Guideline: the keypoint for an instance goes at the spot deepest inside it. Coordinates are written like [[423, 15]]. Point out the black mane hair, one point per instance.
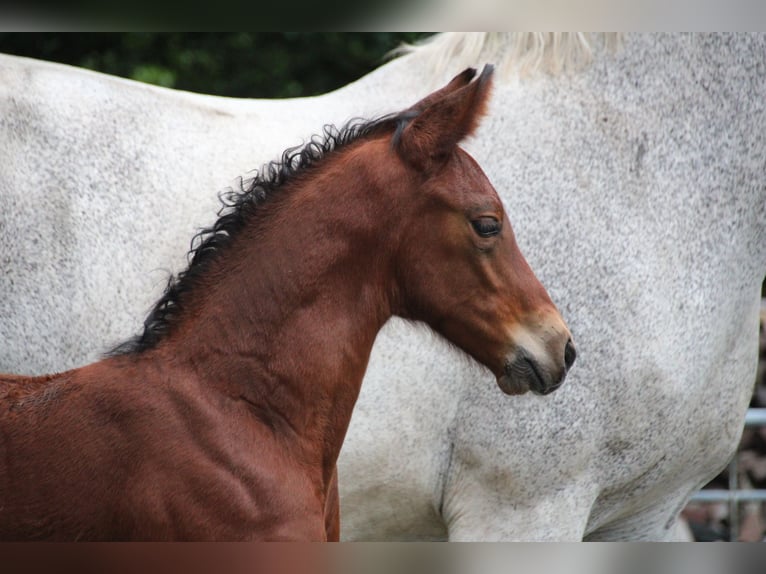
[[238, 207]]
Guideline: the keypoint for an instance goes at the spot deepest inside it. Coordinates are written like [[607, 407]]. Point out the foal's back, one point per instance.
[[47, 423], [125, 449]]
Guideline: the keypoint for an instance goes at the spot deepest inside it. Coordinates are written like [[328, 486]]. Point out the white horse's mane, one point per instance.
[[523, 53]]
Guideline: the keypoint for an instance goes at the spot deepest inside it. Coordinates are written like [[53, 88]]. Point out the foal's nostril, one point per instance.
[[569, 354]]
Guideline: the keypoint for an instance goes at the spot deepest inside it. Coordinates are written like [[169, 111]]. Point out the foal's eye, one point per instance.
[[486, 226]]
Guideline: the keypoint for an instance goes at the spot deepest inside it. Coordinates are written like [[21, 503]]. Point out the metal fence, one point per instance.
[[735, 495]]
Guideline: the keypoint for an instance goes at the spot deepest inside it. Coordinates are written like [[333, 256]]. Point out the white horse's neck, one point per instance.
[[523, 53]]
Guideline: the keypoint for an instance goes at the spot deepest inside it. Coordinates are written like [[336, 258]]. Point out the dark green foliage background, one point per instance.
[[241, 64]]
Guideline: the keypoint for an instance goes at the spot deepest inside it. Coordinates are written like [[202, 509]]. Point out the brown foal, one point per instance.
[[224, 419]]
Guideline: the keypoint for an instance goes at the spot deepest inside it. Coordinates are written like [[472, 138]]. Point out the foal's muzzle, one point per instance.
[[524, 372]]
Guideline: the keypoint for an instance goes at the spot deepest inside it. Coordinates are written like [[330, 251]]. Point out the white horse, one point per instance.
[[635, 177]]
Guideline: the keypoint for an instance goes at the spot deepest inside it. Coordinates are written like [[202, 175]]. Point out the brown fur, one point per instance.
[[229, 428]]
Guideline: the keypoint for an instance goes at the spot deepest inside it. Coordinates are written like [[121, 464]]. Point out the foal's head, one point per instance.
[[458, 267]]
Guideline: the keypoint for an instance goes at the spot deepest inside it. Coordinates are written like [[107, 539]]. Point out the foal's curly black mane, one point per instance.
[[239, 206]]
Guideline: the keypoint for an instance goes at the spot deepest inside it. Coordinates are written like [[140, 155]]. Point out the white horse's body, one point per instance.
[[637, 189]]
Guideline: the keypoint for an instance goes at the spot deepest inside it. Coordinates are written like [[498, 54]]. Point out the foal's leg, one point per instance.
[[332, 510]]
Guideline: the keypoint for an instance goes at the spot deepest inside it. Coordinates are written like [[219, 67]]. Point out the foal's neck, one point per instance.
[[285, 318]]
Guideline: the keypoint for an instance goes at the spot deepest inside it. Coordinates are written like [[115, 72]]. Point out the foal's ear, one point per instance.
[[462, 79], [442, 119]]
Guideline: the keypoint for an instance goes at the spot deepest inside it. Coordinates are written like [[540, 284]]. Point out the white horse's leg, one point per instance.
[[657, 523], [475, 513]]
